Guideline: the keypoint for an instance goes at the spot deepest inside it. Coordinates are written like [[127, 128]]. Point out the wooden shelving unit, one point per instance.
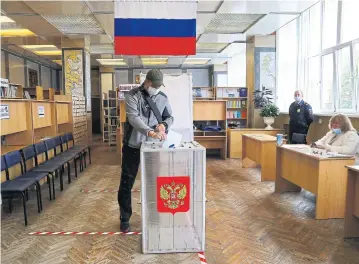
[[105, 117], [113, 117], [64, 118], [44, 120], [211, 112], [237, 105], [204, 93]]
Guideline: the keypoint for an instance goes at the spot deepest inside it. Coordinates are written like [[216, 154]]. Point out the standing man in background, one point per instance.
[[300, 118], [148, 117]]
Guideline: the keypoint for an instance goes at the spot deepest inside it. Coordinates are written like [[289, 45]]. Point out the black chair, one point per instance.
[[78, 154], [299, 138], [29, 153], [20, 184], [50, 166], [81, 148]]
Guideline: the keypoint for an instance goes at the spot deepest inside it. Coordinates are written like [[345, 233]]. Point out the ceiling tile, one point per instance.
[[76, 24], [74, 7], [202, 22], [221, 38], [231, 23], [208, 6], [101, 49], [210, 47], [101, 6], [270, 23]]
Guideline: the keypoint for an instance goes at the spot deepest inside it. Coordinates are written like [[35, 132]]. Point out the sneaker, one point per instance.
[[125, 227]]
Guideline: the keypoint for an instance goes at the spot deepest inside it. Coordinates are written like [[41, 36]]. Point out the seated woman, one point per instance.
[[342, 137]]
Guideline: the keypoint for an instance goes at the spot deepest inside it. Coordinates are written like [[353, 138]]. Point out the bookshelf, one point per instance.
[[105, 117], [237, 105], [211, 113], [204, 93], [113, 117]]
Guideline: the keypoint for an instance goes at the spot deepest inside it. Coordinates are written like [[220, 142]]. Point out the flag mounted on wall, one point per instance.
[[155, 28]]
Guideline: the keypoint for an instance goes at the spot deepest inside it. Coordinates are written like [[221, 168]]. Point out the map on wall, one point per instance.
[[88, 81], [73, 60], [265, 68]]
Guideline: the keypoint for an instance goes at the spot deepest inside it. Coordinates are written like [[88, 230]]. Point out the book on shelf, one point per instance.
[[197, 92], [243, 92]]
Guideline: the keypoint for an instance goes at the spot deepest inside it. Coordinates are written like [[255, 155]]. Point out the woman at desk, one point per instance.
[[342, 137]]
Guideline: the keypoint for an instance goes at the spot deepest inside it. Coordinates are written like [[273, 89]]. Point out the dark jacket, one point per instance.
[[301, 116]]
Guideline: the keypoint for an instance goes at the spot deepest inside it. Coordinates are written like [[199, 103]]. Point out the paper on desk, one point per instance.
[[296, 146], [173, 138]]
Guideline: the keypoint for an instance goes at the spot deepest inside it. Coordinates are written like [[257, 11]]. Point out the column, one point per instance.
[[77, 83]]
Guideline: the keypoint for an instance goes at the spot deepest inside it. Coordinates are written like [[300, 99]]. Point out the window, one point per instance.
[[350, 20], [16, 70], [314, 30], [330, 23], [287, 43], [345, 81], [313, 92], [45, 77], [327, 79]]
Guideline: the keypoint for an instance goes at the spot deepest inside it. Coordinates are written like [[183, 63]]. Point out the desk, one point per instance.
[[325, 177], [351, 218], [235, 139], [261, 148]]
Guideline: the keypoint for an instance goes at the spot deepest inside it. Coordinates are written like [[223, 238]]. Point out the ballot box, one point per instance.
[[173, 182]]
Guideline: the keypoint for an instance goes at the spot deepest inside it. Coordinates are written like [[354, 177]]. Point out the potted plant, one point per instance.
[[269, 112], [262, 97]]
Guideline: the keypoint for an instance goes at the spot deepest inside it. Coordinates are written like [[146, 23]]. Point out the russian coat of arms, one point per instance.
[[173, 194]]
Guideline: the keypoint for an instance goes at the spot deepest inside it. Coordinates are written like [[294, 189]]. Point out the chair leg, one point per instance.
[[27, 195], [89, 150], [10, 204], [85, 160], [68, 172], [53, 185], [40, 197], [81, 167], [37, 198], [75, 162], [49, 183], [61, 180], [24, 205]]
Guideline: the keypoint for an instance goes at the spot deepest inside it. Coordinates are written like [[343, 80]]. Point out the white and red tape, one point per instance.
[[81, 233], [103, 190]]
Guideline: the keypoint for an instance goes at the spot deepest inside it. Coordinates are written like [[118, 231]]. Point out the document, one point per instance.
[[173, 139]]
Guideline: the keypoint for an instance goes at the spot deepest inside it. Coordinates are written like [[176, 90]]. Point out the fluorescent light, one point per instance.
[[20, 32], [5, 19], [112, 62], [154, 61], [49, 52], [44, 50], [197, 61], [33, 47]]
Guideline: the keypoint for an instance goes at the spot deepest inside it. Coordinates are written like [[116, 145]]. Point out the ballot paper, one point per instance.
[[173, 139]]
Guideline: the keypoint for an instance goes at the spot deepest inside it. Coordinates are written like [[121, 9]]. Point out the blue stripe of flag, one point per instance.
[[147, 27]]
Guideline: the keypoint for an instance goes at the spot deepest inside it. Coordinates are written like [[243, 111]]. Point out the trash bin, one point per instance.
[[173, 185]]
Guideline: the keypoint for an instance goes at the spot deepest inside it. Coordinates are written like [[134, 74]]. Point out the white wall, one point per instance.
[[45, 77], [237, 70], [200, 77], [121, 77], [3, 72]]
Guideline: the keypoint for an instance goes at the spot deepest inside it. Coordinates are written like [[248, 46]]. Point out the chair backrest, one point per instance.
[[298, 138], [39, 149], [28, 153], [58, 142], [50, 144], [11, 159], [3, 164], [64, 140], [70, 137]]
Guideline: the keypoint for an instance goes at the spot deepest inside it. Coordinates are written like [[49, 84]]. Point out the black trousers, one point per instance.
[[130, 164]]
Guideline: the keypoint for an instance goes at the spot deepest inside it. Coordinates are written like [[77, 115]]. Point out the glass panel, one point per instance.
[[350, 20], [33, 73], [54, 79], [3, 72], [45, 77], [313, 96], [330, 23], [16, 70], [346, 91], [314, 29], [356, 71], [327, 78]]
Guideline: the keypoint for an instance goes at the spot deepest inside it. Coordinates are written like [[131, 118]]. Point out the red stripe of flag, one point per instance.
[[155, 46]]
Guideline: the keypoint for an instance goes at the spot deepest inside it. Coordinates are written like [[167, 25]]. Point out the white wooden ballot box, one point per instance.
[[173, 184]]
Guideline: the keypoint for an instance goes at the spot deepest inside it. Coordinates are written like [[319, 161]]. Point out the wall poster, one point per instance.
[[73, 66]]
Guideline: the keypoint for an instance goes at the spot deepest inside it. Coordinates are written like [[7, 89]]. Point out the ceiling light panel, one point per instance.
[[58, 61], [112, 62], [44, 50], [5, 19], [101, 49], [19, 32], [197, 61], [76, 24], [231, 23], [210, 47]]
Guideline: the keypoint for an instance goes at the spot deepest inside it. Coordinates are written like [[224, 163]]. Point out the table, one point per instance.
[[325, 177], [235, 138], [261, 148], [351, 218]]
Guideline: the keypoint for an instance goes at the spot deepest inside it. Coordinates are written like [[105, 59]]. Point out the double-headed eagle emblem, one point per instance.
[[173, 195]]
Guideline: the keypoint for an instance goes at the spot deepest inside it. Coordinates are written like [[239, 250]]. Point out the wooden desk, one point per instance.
[[351, 218], [235, 139], [213, 142], [325, 177], [261, 148]]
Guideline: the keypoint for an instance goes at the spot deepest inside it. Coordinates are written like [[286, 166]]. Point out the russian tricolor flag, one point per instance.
[[155, 28]]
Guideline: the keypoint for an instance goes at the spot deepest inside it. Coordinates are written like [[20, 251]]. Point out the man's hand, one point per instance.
[[161, 128], [158, 135]]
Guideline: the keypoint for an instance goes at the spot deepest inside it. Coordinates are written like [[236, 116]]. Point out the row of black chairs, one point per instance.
[[50, 169]]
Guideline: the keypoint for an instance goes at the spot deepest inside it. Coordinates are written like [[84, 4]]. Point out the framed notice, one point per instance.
[[4, 112], [41, 111]]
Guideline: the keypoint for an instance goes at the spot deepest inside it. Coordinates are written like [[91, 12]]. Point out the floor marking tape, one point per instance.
[[104, 191], [82, 233], [202, 258]]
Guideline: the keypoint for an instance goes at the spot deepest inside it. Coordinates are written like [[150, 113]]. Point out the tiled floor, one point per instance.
[[246, 222]]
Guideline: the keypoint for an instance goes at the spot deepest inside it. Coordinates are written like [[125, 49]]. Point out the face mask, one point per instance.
[[297, 98], [336, 131], [153, 91]]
